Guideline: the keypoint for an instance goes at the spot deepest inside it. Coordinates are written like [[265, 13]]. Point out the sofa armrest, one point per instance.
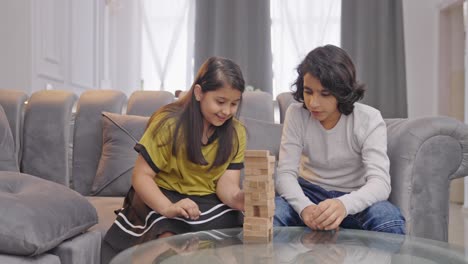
[[425, 154]]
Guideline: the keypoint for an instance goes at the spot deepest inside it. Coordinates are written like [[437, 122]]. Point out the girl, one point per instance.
[[187, 174], [338, 148]]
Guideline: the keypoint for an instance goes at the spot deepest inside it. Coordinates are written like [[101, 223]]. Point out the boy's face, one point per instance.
[[219, 105], [320, 102]]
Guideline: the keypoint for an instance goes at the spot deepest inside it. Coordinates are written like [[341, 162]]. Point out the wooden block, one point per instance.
[[258, 224], [265, 159], [257, 165], [256, 196], [259, 187], [256, 153], [266, 211], [254, 182], [259, 210], [255, 228], [259, 221], [258, 178], [260, 233], [259, 172], [271, 159]]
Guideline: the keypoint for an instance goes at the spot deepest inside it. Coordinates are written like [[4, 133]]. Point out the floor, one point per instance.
[[458, 217]]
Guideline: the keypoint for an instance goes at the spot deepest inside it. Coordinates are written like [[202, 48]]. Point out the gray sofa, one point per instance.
[[85, 145]]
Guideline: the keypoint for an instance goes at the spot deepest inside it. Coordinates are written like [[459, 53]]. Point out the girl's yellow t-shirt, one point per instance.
[[177, 173]]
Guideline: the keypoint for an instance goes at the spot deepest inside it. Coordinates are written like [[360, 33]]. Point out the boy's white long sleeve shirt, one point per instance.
[[351, 157]]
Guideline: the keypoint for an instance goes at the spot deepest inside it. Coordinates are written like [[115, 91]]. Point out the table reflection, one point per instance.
[[292, 245]]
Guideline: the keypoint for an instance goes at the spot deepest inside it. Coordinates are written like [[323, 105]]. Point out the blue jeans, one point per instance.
[[381, 216]]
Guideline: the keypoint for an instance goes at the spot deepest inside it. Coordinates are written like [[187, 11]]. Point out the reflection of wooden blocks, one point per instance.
[[259, 253]]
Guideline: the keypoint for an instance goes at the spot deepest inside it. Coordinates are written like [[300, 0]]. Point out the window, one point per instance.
[[298, 26], [167, 44]]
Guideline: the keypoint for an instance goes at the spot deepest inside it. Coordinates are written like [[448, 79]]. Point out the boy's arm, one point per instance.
[[289, 159], [377, 164], [228, 189]]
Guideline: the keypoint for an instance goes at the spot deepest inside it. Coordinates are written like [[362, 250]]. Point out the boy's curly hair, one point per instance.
[[335, 70]]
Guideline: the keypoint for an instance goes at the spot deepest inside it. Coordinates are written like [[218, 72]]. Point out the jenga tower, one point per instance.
[[259, 190]]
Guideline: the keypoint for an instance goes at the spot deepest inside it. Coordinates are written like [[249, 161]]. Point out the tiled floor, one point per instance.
[[458, 217]]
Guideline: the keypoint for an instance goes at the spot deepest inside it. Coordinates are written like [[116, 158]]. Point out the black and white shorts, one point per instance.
[[137, 223]]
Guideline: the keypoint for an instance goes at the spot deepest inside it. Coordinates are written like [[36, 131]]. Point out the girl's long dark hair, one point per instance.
[[215, 73]]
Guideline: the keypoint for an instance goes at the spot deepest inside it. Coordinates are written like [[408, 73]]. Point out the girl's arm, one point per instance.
[[228, 189], [144, 185]]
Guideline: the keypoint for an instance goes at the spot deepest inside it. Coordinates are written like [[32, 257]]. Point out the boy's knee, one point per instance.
[[388, 218]]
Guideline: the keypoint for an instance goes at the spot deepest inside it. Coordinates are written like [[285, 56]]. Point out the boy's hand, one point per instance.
[[329, 214], [185, 207], [308, 215]]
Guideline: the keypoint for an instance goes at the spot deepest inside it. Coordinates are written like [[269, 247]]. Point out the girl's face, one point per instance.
[[219, 105], [320, 102]]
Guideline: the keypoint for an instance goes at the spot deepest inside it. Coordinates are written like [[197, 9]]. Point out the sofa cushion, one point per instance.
[[42, 259], [37, 214], [7, 145], [120, 133]]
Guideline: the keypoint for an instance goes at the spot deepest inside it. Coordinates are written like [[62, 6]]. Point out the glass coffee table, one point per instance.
[[292, 245]]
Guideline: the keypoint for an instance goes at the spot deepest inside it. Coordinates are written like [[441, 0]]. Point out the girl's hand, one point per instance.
[[185, 208], [329, 214]]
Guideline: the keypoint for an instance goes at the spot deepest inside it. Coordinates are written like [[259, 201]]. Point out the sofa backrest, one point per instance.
[[13, 102], [46, 135], [87, 137], [144, 103], [257, 105], [284, 100]]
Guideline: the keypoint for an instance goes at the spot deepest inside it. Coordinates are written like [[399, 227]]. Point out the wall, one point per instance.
[[421, 47], [60, 44], [15, 51]]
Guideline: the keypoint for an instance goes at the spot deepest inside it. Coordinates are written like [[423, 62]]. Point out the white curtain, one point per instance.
[[298, 26], [121, 35], [167, 44]]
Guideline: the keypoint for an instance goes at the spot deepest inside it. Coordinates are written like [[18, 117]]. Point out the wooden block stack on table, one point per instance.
[[259, 190]]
